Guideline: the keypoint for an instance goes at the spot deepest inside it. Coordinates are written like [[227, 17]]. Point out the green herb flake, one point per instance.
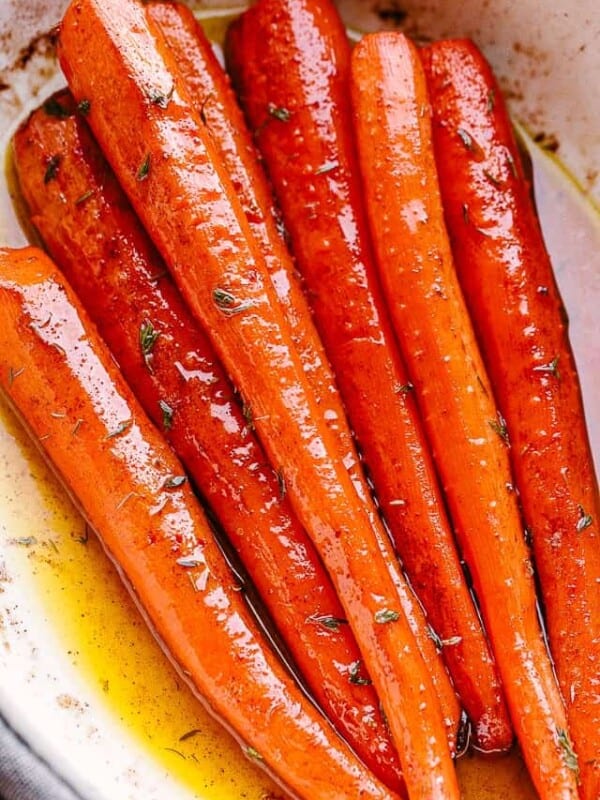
[[248, 416], [551, 368], [174, 481], [143, 169], [385, 615], [569, 754], [123, 426], [281, 483], [83, 197], [54, 109], [160, 99], [437, 640], [466, 139], [147, 337], [279, 112], [499, 427], [84, 107], [405, 388], [167, 414], [585, 520], [328, 621], [228, 303], [354, 676], [250, 752], [189, 562], [52, 168]]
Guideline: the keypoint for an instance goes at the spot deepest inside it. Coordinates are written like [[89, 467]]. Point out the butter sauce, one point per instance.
[[97, 621]]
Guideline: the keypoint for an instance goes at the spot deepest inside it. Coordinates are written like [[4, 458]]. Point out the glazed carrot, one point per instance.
[[511, 292], [165, 162], [311, 159], [90, 229], [214, 99], [58, 375], [392, 118]]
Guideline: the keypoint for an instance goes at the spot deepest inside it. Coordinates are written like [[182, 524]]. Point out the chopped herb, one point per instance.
[[491, 100], [160, 99], [54, 109], [492, 179], [250, 752], [83, 197], [144, 169], [190, 562], [148, 337], [385, 615], [13, 374], [405, 388], [25, 541], [167, 414], [279, 112], [281, 484], [466, 139], [123, 426], [174, 481], [528, 536], [499, 427], [585, 520], [435, 638], [329, 622], [85, 538], [248, 416], [203, 116], [354, 677], [227, 302], [551, 368], [83, 106], [569, 754], [52, 168], [189, 734], [328, 166]]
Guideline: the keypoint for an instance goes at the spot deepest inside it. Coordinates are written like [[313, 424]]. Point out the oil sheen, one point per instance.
[[97, 620]]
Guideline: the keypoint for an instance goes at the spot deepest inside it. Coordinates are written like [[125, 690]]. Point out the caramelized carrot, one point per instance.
[[90, 229], [215, 101], [509, 285], [164, 160], [295, 57], [58, 375], [393, 122]]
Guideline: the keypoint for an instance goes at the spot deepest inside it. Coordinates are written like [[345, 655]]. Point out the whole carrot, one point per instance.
[[164, 160], [507, 278], [90, 229], [215, 101], [291, 63], [58, 375], [393, 122]]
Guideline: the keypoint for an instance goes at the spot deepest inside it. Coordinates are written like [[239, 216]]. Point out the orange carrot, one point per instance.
[[60, 378], [311, 159], [393, 121], [90, 229], [215, 102], [509, 285], [164, 160]]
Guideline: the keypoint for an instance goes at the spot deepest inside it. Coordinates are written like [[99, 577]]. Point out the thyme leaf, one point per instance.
[[143, 169], [167, 414], [84, 107], [354, 676], [148, 336], [499, 427], [250, 752], [228, 303], [85, 196], [385, 615], [328, 621], [52, 168], [585, 520], [570, 756], [279, 112], [121, 428]]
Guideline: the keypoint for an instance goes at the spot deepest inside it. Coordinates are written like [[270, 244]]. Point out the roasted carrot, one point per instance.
[[58, 375], [90, 229], [164, 160], [311, 159], [215, 101], [512, 295], [393, 122]]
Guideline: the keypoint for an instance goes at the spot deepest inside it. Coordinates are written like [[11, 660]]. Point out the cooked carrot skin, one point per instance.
[[120, 470], [215, 101], [522, 328], [311, 159], [167, 165], [393, 122], [90, 229]]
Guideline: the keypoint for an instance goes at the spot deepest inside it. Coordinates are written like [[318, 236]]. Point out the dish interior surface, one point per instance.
[[81, 678]]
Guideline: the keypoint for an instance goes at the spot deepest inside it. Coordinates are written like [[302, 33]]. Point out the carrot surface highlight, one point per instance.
[[507, 278], [90, 229], [168, 167], [215, 102], [294, 57], [58, 375], [392, 117]]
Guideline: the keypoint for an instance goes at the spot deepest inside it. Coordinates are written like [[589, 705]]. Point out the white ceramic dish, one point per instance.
[[80, 679]]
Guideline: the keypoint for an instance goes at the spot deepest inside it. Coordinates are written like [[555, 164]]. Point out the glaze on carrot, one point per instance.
[[393, 123], [90, 229], [164, 160], [215, 101], [58, 375], [295, 57], [509, 286]]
